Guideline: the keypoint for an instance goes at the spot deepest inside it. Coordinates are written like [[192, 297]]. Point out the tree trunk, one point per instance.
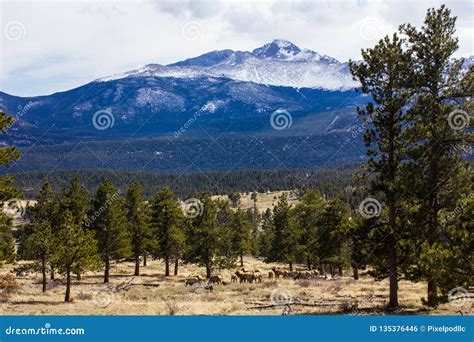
[[167, 266], [321, 269], [67, 297], [432, 292], [43, 271], [176, 265], [241, 260], [339, 271], [432, 238], [208, 271], [393, 262], [144, 260], [52, 273], [137, 265], [308, 263], [291, 265], [107, 269], [78, 276], [356, 272]]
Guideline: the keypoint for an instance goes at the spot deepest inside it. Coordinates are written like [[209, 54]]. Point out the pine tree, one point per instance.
[[234, 198], [437, 164], [307, 216], [254, 217], [107, 219], [7, 155], [283, 246], [7, 243], [208, 240], [332, 242], [385, 74], [253, 197], [7, 191], [266, 236], [75, 198], [74, 248], [45, 221], [41, 245], [241, 229], [167, 225], [136, 211]]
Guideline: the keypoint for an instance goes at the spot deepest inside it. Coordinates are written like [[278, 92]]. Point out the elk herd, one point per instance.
[[247, 275]]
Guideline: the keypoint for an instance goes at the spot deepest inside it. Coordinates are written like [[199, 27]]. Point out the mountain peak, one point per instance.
[[278, 48]]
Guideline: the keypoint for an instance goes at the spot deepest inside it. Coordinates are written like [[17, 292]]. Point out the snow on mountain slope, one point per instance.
[[279, 63]]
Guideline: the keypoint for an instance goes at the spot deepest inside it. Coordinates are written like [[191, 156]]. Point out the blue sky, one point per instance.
[[57, 45]]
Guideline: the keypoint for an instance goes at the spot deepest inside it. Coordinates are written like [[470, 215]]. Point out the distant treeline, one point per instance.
[[330, 181]]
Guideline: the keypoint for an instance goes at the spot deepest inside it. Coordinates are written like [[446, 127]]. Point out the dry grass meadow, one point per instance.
[[153, 294], [264, 200]]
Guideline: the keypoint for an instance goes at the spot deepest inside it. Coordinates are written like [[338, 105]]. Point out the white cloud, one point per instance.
[[67, 44]]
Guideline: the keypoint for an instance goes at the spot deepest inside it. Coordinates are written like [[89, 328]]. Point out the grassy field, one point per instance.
[[153, 294], [264, 200]]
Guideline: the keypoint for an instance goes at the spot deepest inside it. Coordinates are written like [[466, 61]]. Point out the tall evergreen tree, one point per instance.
[[332, 243], [307, 216], [7, 243], [208, 240], [108, 221], [7, 155], [167, 225], [385, 73], [74, 248], [241, 231], [435, 136], [7, 190], [45, 221], [41, 246], [285, 238], [254, 217], [136, 211], [75, 198], [266, 236]]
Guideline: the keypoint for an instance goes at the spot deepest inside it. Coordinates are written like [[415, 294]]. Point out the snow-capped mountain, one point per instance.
[[279, 63]]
